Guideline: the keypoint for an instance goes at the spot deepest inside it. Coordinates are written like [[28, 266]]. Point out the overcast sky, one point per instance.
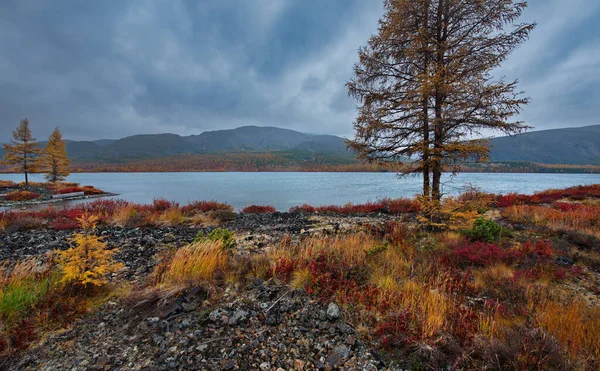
[[112, 68]]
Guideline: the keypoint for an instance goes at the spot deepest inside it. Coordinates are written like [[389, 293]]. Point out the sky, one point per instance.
[[113, 68]]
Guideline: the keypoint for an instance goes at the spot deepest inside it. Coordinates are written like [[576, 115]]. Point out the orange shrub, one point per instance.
[[6, 183], [22, 196]]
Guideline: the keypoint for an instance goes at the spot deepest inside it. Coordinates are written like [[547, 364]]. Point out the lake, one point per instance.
[[284, 190]]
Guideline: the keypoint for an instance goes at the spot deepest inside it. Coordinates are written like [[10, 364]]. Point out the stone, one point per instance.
[[238, 316], [228, 365], [338, 356], [564, 261], [265, 366], [169, 237], [216, 315], [333, 312]]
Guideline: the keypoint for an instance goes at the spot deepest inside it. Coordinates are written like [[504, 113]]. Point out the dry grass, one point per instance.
[[582, 218], [172, 216], [194, 263], [574, 324]]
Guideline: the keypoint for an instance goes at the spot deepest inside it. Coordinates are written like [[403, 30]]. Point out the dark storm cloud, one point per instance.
[[107, 69]]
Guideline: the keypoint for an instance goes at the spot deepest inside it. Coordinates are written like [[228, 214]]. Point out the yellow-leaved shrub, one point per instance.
[[89, 262]]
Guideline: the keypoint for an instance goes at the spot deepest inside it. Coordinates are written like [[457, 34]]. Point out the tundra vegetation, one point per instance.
[[510, 282]]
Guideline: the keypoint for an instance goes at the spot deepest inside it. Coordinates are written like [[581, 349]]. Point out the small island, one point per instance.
[[23, 155], [18, 194]]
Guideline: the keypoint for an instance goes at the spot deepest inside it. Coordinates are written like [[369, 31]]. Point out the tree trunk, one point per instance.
[[438, 122], [25, 167], [426, 164]]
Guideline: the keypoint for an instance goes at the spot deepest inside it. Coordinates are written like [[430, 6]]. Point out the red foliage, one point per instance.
[[69, 190], [477, 253], [305, 208], [394, 331], [549, 196], [465, 321], [21, 196], [402, 205], [103, 207], [161, 205], [284, 268], [510, 199], [388, 206], [531, 274], [568, 207], [541, 249], [66, 219], [258, 209], [205, 206], [89, 190]]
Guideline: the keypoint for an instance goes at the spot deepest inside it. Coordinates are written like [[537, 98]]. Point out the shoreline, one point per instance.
[[17, 204]]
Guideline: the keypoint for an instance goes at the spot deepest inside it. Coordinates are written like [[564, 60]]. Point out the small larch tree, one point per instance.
[[425, 87], [22, 154], [54, 158]]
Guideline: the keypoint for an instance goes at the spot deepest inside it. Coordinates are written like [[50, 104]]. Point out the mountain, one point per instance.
[[247, 139], [577, 146]]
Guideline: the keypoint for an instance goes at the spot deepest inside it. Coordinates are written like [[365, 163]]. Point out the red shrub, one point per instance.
[[510, 199], [532, 274], [258, 209], [305, 208], [389, 206], [69, 190], [205, 206], [549, 196], [66, 219], [394, 331], [21, 196], [541, 249], [161, 205], [89, 190], [477, 253], [103, 207], [401, 205], [284, 268], [568, 207]]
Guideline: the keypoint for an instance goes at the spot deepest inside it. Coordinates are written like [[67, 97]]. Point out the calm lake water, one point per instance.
[[284, 190]]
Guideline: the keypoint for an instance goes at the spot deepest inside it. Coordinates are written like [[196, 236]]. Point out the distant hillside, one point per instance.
[[571, 146], [247, 139], [576, 146]]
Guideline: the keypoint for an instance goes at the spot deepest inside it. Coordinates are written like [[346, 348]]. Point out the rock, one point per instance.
[[265, 366], [228, 365], [238, 316], [564, 261], [337, 356], [169, 237], [216, 315], [194, 298], [333, 312]]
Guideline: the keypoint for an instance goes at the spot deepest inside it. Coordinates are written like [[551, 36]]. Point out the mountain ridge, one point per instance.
[[577, 146]]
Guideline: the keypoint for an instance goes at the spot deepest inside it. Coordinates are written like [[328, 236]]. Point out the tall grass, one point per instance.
[[194, 263]]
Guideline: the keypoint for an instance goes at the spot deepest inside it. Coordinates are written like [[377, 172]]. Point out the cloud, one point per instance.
[[110, 69]]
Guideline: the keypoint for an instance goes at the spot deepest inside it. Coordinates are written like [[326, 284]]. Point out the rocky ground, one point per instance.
[[262, 326]]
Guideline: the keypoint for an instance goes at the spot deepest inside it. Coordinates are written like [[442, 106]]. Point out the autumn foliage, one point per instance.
[[54, 159], [89, 262], [258, 209]]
